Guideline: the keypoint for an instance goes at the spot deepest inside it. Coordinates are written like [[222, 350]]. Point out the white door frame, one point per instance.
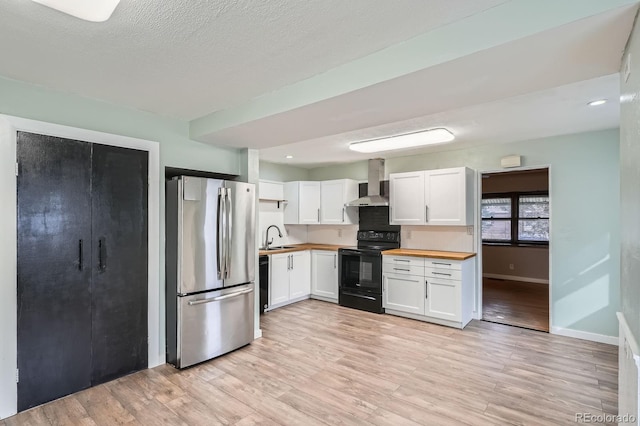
[[478, 235], [8, 248]]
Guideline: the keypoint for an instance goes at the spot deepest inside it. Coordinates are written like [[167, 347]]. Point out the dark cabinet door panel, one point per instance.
[[54, 268], [119, 274]]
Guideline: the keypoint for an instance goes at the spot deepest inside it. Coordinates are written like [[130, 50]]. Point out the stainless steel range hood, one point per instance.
[[373, 198]]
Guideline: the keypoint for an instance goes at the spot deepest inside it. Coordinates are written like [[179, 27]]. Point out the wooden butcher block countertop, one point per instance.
[[301, 247], [451, 255]]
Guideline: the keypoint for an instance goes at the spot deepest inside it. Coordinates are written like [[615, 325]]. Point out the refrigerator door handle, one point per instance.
[[219, 298], [220, 240], [229, 232]]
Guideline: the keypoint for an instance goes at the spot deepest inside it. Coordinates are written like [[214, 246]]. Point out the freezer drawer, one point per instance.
[[214, 323]]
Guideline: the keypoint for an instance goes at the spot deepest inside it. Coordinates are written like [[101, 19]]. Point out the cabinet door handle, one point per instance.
[[102, 254], [335, 261], [426, 289], [402, 260], [318, 215], [441, 273], [292, 262], [426, 213], [80, 256], [441, 263], [401, 269], [343, 215]]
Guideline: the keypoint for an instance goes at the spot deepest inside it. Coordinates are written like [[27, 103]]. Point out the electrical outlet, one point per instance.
[[339, 233], [511, 266]]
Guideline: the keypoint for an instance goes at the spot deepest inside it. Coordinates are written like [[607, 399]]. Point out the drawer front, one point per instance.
[[443, 264], [403, 269], [446, 274], [403, 261]]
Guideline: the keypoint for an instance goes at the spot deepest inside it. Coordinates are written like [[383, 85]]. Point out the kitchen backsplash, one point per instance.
[[340, 234], [446, 238]]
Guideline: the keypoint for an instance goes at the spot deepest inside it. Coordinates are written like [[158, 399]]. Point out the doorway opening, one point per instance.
[[515, 248]]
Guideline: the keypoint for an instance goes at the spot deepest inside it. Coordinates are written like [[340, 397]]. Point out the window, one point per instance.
[[515, 218]]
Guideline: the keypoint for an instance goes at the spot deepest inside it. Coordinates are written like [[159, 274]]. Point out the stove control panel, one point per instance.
[[379, 236]]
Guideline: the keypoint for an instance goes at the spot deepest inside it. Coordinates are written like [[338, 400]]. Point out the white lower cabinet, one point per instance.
[[441, 293], [443, 299], [289, 277], [404, 293], [278, 278], [299, 277], [324, 275]]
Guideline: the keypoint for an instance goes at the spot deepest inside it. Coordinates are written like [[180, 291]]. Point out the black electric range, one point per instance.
[[360, 270]]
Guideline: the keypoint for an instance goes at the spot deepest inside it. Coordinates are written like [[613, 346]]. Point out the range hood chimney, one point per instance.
[[373, 198]]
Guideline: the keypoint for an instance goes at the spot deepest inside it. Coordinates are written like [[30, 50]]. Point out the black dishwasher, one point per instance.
[[263, 263]]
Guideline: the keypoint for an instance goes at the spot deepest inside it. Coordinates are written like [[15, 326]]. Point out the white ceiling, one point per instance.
[[187, 58], [233, 67], [556, 111]]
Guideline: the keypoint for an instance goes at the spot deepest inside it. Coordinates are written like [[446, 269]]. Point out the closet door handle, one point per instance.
[[80, 256], [102, 254]]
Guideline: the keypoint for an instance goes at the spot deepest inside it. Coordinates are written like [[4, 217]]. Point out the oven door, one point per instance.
[[360, 271]]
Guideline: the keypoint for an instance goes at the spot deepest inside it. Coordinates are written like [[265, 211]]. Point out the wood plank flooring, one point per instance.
[[516, 303], [322, 364]]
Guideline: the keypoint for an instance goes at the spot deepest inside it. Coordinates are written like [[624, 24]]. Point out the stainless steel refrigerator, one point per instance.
[[210, 271]]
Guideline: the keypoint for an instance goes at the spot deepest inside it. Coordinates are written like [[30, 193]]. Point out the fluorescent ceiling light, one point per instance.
[[89, 10], [289, 156], [598, 102], [407, 140]]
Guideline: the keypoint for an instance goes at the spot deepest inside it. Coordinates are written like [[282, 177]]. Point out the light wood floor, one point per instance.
[[322, 364], [516, 303]]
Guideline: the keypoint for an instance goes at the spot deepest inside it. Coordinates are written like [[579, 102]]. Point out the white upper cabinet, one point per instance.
[[432, 197], [315, 202], [333, 196], [268, 190], [406, 202], [303, 203], [448, 195]]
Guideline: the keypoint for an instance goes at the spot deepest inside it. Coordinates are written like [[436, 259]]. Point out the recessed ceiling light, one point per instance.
[[407, 140], [598, 102], [289, 156], [89, 10]]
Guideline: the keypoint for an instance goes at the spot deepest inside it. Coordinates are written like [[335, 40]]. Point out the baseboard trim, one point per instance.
[[516, 278], [585, 335]]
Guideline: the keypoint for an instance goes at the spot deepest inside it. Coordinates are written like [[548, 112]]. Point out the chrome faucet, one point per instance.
[[267, 243]]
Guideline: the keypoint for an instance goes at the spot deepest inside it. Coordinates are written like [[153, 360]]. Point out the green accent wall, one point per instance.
[[585, 211], [282, 172], [176, 149]]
